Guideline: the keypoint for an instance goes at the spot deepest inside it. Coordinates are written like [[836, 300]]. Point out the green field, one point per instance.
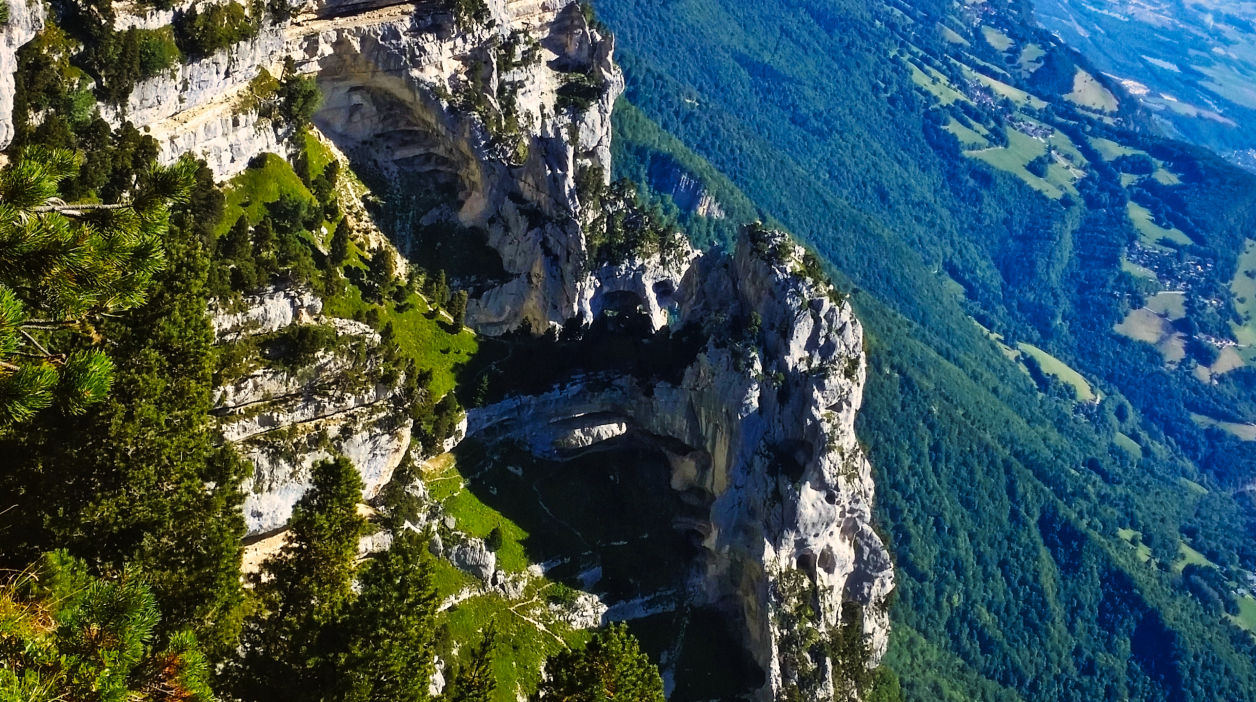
[[1054, 366], [1110, 149], [1246, 432], [1166, 177], [1088, 92], [1137, 271], [1246, 617], [997, 39], [1150, 232], [1189, 556], [1016, 95], [1243, 287], [1170, 305], [1031, 58], [1134, 538], [1022, 149], [1193, 486], [1128, 445], [249, 192], [968, 138], [935, 84]]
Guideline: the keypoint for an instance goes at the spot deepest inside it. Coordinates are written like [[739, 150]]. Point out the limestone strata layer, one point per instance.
[[26, 18], [767, 431]]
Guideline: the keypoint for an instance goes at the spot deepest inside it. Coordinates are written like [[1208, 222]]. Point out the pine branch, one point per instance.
[[79, 209], [32, 340]]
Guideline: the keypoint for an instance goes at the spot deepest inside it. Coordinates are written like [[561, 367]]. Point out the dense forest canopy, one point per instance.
[[989, 218]]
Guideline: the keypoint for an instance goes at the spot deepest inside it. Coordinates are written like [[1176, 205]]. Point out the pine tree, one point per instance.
[[611, 667], [143, 479], [69, 636], [289, 648], [473, 681], [458, 309], [438, 290], [339, 252], [390, 655], [62, 268]]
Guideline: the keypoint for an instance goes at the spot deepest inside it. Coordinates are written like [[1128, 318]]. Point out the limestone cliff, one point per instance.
[[26, 18], [760, 430], [486, 126]]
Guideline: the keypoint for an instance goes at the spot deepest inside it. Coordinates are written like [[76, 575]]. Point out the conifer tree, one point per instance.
[[473, 681], [68, 636], [340, 242], [62, 267], [290, 648], [611, 667], [390, 655], [458, 309], [143, 480]]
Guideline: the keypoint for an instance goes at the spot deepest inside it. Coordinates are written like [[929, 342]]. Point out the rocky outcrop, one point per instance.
[[762, 425], [262, 313], [285, 420], [689, 194], [478, 111], [26, 18]]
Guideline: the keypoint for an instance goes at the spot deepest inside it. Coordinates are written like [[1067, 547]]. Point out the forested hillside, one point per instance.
[[1059, 397]]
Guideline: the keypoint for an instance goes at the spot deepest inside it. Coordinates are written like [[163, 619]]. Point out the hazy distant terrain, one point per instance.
[[1193, 64]]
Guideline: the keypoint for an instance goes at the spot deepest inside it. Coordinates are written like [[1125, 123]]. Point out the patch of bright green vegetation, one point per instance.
[[1136, 270], [318, 153], [952, 36], [1193, 486], [1031, 58], [1166, 177], [1189, 556], [1011, 353], [1111, 150], [1246, 618], [1128, 445], [427, 338], [1246, 432], [250, 191], [1150, 232], [421, 333], [1016, 95], [448, 485], [996, 38], [968, 138], [1065, 146], [1170, 305], [521, 647], [1088, 92], [1022, 149], [1143, 325], [1054, 366], [449, 580], [1243, 287], [1134, 538], [935, 84]]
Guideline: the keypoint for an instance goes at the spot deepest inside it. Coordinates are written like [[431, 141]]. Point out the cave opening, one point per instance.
[[625, 535]]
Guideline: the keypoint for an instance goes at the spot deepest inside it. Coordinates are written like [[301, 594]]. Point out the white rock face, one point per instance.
[[284, 422], [473, 557], [266, 312], [771, 440], [26, 19], [391, 75]]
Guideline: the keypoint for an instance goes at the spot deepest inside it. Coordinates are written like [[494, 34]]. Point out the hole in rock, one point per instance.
[[608, 514]]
